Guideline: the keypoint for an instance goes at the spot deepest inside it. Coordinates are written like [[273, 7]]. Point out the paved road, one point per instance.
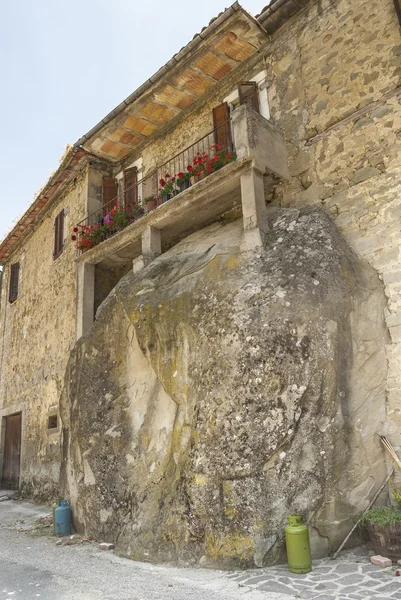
[[34, 568]]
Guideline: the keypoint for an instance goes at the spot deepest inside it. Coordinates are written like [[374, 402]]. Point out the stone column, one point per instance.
[[253, 209], [151, 248], [85, 297]]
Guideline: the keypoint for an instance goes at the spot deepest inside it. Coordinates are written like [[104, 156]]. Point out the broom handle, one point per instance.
[[365, 511]]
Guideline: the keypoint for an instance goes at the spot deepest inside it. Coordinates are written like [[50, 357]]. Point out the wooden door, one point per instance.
[[12, 451], [110, 194], [221, 125], [130, 190]]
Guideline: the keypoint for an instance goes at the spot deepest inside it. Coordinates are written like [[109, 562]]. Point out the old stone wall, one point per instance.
[[37, 333], [335, 84]]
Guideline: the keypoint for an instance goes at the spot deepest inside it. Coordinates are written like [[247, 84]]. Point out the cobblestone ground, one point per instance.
[[351, 576]]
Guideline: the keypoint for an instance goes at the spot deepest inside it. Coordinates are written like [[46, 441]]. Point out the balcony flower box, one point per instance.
[[183, 181]]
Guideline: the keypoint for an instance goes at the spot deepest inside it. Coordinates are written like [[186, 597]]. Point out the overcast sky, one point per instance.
[[65, 65]]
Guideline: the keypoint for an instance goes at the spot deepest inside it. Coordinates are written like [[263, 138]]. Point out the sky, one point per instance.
[[65, 65]]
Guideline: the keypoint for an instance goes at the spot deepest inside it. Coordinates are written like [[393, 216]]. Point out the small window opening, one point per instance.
[[52, 422], [58, 235], [248, 94], [14, 281]]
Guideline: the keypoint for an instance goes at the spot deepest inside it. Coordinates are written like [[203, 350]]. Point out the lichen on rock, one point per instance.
[[220, 391]]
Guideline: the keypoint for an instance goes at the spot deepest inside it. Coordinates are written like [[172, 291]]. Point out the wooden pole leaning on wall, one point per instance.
[[390, 449]]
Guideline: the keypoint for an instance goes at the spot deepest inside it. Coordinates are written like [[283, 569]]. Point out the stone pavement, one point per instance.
[[83, 572], [350, 577]]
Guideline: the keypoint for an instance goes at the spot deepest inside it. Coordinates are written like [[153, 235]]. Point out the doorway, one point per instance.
[[11, 452]]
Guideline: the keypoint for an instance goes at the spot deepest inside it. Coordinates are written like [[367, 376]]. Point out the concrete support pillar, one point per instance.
[[85, 298], [151, 249], [253, 209], [151, 244]]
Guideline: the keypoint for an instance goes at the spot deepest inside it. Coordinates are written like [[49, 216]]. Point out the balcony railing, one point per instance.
[[209, 154]]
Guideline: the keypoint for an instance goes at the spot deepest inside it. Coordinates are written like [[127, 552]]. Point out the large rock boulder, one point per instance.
[[219, 392]]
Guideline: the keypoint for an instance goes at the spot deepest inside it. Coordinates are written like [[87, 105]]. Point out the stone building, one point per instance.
[[190, 361]]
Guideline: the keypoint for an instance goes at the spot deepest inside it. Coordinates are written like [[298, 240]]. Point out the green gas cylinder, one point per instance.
[[298, 549]]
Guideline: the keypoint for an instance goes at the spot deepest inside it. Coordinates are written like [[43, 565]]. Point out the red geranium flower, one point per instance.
[[180, 175], [162, 182], [75, 229], [190, 168], [74, 237]]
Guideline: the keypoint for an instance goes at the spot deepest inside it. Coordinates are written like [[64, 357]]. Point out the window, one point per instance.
[[221, 125], [248, 94], [52, 422], [58, 235], [14, 281], [130, 188], [254, 93], [109, 194]]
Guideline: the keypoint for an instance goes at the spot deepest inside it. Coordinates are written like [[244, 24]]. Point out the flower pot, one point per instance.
[[195, 178], [159, 201], [386, 539], [184, 185], [166, 197], [150, 205]]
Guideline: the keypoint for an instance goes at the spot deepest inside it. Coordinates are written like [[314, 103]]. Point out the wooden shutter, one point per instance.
[[221, 125], [110, 193], [130, 189], [14, 281], [249, 94], [12, 452], [58, 235]]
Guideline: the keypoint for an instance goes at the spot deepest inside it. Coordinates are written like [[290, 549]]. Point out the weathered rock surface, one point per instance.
[[224, 391]]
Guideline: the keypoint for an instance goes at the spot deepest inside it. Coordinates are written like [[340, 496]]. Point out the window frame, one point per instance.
[[233, 99], [13, 285], [59, 238]]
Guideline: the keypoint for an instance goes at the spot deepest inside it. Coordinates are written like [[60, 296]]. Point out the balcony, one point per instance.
[[249, 159], [200, 160]]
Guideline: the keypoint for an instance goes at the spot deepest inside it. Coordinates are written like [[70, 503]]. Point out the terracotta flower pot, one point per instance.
[[150, 205], [195, 178]]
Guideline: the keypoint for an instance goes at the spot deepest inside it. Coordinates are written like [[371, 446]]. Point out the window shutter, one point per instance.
[[248, 94], [130, 188], [14, 281], [221, 125], [58, 235], [110, 193]]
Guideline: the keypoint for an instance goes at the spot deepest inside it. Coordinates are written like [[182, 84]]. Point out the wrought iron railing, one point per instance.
[[209, 154]]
